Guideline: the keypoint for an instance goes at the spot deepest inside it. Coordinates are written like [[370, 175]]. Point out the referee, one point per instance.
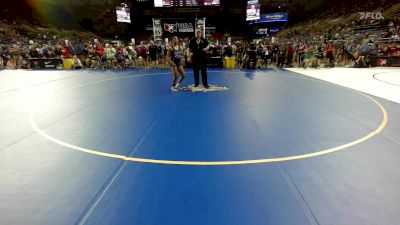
[[199, 47]]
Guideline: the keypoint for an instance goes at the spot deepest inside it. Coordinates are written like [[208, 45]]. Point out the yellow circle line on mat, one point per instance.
[[215, 163]]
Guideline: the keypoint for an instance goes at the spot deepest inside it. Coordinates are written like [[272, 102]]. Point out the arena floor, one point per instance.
[[275, 147]]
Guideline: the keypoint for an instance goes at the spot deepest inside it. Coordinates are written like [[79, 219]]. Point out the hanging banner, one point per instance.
[[157, 29], [201, 25]]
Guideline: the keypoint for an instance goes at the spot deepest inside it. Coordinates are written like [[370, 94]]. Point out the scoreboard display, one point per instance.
[[185, 3]]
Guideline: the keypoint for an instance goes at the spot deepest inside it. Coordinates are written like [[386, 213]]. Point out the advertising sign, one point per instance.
[[253, 12], [178, 27], [123, 14], [272, 17]]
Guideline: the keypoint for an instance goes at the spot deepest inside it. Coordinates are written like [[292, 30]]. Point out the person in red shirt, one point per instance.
[[393, 50], [65, 52], [99, 50], [329, 52], [290, 52], [142, 52]]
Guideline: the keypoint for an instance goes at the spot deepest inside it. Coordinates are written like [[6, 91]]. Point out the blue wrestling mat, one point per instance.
[[267, 147]]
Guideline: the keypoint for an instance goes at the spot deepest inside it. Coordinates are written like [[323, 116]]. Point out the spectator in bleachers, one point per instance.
[[352, 51], [296, 47], [282, 50], [393, 49], [290, 52], [301, 52], [384, 49], [330, 48], [364, 48], [275, 49], [100, 52], [77, 63], [79, 48], [251, 56], [260, 52], [120, 55], [309, 59], [11, 64], [110, 53], [65, 52], [239, 53], [1, 62], [153, 52], [142, 53], [132, 55], [161, 53]]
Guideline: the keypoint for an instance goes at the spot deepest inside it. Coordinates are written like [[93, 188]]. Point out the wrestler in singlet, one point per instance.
[[174, 56]]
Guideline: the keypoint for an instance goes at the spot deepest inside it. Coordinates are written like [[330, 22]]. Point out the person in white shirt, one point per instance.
[[77, 63], [1, 63]]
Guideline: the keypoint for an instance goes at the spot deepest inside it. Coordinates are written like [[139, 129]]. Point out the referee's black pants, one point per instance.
[[196, 69]]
